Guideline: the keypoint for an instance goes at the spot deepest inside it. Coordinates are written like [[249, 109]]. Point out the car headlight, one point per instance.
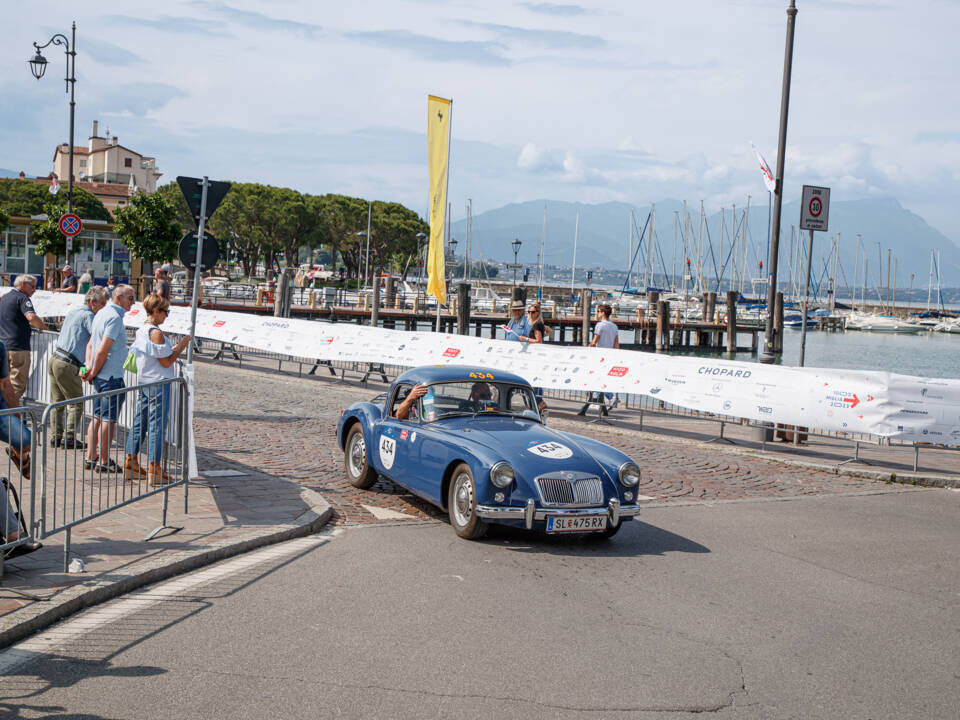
[[501, 474], [629, 474]]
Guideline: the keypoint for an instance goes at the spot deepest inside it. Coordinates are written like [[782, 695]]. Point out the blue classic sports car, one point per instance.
[[473, 442]]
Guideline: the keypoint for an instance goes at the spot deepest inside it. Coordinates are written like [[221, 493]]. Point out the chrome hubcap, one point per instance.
[[462, 499], [358, 454]]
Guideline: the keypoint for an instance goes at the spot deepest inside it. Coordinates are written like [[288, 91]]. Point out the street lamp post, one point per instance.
[[768, 355], [38, 66], [516, 249], [452, 245]]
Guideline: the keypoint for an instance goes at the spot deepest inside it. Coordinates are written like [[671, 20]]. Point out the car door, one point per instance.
[[394, 441]]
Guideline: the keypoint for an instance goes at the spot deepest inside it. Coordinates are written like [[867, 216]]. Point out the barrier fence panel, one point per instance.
[[102, 451], [18, 428]]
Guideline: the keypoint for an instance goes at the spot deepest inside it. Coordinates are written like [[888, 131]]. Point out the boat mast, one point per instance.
[[573, 270], [856, 270], [676, 227], [543, 242], [630, 249], [930, 281]]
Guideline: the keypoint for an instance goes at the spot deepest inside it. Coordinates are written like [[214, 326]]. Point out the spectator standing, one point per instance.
[[111, 286], [69, 283], [64, 368], [536, 335], [161, 285], [518, 327], [156, 357], [606, 334], [17, 316], [106, 353], [86, 281]]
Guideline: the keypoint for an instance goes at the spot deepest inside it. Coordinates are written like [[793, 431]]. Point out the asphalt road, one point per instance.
[[830, 607]]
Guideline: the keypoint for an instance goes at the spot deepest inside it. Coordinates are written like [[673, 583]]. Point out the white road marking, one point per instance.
[[385, 514], [47, 641], [221, 473]]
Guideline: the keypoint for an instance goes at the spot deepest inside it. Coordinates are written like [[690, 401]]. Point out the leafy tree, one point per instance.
[[393, 234], [149, 227], [341, 218], [237, 222], [26, 198]]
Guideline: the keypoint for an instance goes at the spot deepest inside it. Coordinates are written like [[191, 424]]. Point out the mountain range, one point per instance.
[[604, 238]]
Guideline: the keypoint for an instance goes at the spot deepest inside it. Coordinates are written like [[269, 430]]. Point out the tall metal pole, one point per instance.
[[366, 264], [768, 355], [196, 268], [806, 300]]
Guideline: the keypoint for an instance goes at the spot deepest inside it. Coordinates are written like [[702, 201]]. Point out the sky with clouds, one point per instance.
[[597, 101]]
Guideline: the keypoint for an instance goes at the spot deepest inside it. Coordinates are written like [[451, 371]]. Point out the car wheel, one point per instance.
[[355, 461], [462, 504]]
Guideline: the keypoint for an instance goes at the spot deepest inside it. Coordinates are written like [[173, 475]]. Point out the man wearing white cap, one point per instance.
[[69, 283]]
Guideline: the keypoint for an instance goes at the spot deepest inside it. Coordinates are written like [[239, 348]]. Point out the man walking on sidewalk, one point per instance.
[[64, 368], [17, 316], [606, 334], [106, 353]]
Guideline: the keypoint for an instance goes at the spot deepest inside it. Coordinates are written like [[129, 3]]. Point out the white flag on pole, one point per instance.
[[54, 185], [768, 178]]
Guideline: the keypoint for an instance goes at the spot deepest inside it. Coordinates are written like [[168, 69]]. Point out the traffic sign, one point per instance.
[[814, 208], [70, 224], [192, 189], [187, 251]]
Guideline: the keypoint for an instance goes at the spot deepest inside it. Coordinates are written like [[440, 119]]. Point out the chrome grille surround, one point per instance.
[[569, 489]]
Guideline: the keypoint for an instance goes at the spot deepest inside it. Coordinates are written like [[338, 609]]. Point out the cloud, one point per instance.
[[556, 9], [171, 24], [938, 137], [544, 38], [432, 48], [539, 159], [263, 22], [138, 99], [109, 54]]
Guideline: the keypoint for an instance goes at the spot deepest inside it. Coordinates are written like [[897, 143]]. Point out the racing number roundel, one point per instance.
[[388, 451]]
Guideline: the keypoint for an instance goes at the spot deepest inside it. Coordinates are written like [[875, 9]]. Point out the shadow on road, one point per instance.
[[634, 539]]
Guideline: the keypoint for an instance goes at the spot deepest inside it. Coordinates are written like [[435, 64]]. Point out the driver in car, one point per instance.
[[407, 409]]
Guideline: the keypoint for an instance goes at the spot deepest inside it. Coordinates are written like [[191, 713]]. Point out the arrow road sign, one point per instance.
[[192, 192], [70, 225]]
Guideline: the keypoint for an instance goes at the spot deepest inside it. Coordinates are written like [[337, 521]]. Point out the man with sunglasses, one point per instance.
[[106, 353]]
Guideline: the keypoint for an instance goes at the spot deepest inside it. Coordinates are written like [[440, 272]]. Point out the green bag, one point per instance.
[[130, 363]]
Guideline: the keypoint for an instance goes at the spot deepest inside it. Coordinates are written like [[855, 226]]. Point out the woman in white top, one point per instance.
[[156, 357]]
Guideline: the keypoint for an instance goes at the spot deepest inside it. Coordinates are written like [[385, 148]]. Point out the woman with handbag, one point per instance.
[[154, 359]]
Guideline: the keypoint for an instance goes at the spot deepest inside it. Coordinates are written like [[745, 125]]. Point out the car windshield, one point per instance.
[[478, 397]]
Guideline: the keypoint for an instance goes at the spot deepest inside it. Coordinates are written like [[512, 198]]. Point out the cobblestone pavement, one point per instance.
[[285, 426]]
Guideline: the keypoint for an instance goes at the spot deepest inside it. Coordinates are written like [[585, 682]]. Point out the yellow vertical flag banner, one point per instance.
[[438, 164]]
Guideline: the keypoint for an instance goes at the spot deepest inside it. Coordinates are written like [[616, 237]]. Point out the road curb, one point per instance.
[[47, 613]]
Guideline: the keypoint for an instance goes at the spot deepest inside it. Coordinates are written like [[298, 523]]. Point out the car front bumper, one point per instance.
[[530, 513]]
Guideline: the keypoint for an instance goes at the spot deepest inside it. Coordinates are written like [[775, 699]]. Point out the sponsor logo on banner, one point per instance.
[[618, 371], [724, 372], [552, 450], [764, 409], [676, 380], [451, 352], [134, 311], [220, 323], [727, 404], [276, 324], [655, 390]]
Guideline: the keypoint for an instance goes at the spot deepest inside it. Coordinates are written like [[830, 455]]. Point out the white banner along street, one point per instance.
[[855, 401]]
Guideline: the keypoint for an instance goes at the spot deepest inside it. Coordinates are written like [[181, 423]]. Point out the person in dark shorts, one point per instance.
[[161, 285]]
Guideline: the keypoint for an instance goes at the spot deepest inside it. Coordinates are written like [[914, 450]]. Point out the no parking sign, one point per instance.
[[70, 224]]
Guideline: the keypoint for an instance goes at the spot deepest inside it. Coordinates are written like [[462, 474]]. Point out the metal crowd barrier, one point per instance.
[[18, 432], [73, 489]]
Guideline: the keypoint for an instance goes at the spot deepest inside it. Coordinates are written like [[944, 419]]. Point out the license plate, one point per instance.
[[576, 523]]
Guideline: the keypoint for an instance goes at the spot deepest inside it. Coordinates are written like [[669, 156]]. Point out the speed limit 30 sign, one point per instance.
[[814, 208]]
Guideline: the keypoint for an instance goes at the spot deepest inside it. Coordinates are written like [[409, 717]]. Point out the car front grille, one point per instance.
[[570, 489]]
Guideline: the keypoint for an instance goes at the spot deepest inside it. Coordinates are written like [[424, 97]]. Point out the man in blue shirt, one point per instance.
[[519, 326], [106, 353], [64, 368], [17, 316]]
